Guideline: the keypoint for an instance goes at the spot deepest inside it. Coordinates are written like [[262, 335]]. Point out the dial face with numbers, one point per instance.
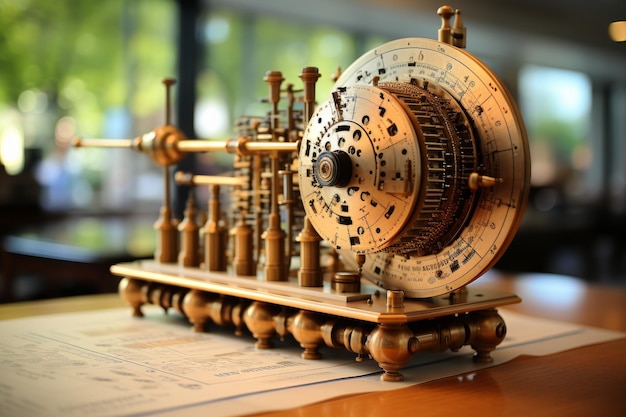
[[501, 154], [359, 169]]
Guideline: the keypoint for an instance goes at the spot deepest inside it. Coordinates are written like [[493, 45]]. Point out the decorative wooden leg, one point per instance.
[[487, 331], [392, 346], [306, 329], [130, 290], [195, 305], [259, 319]]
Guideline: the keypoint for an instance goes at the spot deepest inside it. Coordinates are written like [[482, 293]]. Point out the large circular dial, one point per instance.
[[419, 160]]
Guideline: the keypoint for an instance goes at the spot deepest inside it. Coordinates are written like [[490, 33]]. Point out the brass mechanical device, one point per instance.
[[356, 223]]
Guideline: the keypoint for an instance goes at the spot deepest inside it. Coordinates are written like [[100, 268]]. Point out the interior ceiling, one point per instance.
[[566, 33]]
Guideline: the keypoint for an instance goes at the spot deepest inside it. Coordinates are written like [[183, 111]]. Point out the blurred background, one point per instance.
[[94, 69]]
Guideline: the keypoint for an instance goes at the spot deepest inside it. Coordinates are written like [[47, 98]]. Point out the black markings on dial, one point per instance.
[[390, 211], [344, 220], [363, 219], [454, 266]]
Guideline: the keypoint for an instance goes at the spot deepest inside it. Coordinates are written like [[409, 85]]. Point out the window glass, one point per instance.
[[556, 106], [80, 68], [241, 48]]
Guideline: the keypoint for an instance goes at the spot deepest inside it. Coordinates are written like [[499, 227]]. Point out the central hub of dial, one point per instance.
[[333, 169]]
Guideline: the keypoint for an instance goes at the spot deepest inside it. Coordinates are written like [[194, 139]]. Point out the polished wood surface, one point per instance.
[[564, 298], [587, 381]]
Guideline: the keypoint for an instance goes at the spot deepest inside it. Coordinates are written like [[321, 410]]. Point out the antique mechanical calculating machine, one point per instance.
[[356, 223]]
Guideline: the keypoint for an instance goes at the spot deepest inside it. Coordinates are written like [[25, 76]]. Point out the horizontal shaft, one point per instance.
[[184, 178]]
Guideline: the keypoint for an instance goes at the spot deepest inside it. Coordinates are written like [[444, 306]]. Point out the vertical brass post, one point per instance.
[[167, 244], [189, 236], [310, 273], [274, 79], [288, 202], [214, 236], [309, 77], [256, 204], [243, 261], [274, 237], [444, 34], [459, 33]]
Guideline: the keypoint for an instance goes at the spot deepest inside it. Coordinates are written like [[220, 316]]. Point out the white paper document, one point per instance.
[[107, 363]]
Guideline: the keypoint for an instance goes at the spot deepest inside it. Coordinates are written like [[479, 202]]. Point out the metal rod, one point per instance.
[[196, 145], [199, 145], [102, 143], [184, 178], [168, 82], [272, 146]]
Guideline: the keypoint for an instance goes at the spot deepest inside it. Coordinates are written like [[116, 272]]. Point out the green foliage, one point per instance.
[[563, 136], [86, 56], [241, 48]]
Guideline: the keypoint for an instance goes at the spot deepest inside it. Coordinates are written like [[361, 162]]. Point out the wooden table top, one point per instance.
[[586, 381]]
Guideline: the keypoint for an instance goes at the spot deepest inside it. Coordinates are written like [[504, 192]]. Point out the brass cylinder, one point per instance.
[[444, 34], [215, 241], [167, 241], [288, 202], [243, 259], [189, 236], [274, 79], [395, 299], [309, 76], [274, 268], [345, 282], [310, 272]]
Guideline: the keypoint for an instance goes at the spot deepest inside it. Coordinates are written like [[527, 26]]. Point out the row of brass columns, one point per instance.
[[278, 244], [390, 345], [177, 242]]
